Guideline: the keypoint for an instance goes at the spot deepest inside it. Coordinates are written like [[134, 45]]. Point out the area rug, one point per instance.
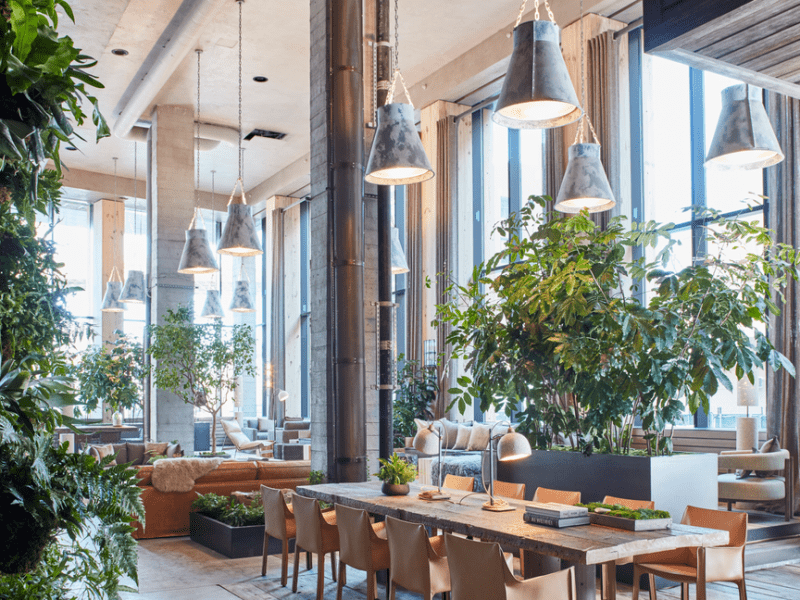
[[269, 587], [179, 474]]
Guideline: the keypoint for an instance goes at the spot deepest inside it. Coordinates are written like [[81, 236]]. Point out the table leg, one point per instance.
[[535, 564], [610, 580], [585, 576]]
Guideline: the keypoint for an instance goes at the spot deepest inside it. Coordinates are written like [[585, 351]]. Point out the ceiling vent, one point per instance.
[[272, 135]]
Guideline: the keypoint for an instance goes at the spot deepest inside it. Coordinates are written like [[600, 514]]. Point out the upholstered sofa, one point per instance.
[[167, 513], [262, 429]]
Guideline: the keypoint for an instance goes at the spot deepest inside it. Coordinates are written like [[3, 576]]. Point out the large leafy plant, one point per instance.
[[553, 328], [416, 393], [200, 363]]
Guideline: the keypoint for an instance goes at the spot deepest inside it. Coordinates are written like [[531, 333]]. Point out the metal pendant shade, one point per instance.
[[111, 302], [744, 138], [399, 262], [197, 257], [537, 92], [397, 156], [133, 291], [585, 184], [212, 309], [513, 446], [242, 300], [239, 236], [427, 440]]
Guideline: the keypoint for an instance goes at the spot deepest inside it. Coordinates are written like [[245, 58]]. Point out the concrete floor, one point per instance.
[[179, 569]]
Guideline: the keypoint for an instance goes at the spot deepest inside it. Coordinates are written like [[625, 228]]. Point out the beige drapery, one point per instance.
[[783, 189], [278, 326]]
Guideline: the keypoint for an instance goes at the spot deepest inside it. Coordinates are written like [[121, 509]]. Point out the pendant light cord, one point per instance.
[[536, 13], [114, 270], [135, 188], [197, 137], [397, 75], [240, 90], [213, 223], [584, 115]]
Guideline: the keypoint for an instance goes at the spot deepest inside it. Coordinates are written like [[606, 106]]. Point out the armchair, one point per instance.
[[754, 488]]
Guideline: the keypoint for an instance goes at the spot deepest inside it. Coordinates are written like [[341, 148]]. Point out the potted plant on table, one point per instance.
[[553, 330], [200, 363], [396, 474]]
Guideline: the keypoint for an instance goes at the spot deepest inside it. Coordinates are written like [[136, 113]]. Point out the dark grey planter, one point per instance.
[[233, 542]]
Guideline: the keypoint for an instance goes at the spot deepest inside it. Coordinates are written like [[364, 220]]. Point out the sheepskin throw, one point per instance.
[[179, 474]]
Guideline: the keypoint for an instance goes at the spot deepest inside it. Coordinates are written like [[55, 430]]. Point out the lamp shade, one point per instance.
[[283, 396], [585, 184], [212, 308], [111, 302], [427, 440], [133, 291], [242, 300], [197, 257], [397, 156], [513, 446], [746, 393], [744, 138], [239, 236], [399, 262], [537, 92]]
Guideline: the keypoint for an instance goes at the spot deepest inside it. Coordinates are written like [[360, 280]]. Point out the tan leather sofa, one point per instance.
[[167, 513]]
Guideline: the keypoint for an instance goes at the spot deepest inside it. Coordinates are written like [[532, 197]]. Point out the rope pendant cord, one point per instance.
[[536, 13], [397, 74]]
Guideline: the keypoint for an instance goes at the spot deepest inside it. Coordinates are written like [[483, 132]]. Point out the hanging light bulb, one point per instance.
[[111, 302], [242, 300], [537, 91], [134, 291], [399, 263], [197, 257], [585, 184], [744, 138], [212, 309], [239, 236], [397, 156]]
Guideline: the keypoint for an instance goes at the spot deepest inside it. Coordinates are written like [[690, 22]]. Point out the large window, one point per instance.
[[135, 253], [680, 109]]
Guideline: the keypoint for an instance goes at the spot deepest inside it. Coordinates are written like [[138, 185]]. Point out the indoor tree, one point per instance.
[[200, 363]]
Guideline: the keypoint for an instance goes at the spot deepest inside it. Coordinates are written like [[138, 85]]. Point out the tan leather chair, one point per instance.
[[479, 571], [627, 503], [515, 491], [362, 545], [278, 523], [456, 482], [699, 565], [418, 563], [547, 495], [317, 533]]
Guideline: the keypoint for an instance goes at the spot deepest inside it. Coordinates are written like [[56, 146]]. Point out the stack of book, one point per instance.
[[556, 515]]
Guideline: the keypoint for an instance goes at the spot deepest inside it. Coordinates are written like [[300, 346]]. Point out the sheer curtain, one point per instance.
[[278, 333]]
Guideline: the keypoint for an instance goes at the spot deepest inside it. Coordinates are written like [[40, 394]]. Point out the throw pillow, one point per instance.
[[462, 439], [135, 453], [101, 451], [771, 445], [479, 438], [174, 451], [231, 427], [121, 452], [263, 424], [421, 424], [154, 449], [450, 433]]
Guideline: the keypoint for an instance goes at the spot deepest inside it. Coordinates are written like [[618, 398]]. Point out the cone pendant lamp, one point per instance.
[[585, 184], [111, 302], [399, 262], [134, 290], [197, 257], [242, 299], [537, 91], [744, 138], [212, 309], [397, 156]]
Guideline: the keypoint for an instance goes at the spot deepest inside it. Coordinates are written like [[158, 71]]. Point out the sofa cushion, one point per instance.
[[479, 437], [100, 451], [145, 475], [173, 451], [291, 424], [450, 433], [231, 470], [462, 439], [121, 453], [264, 424], [135, 453], [771, 445]]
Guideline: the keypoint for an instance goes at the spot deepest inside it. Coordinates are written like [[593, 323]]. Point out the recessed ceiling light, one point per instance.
[[260, 78], [70, 148], [119, 52]]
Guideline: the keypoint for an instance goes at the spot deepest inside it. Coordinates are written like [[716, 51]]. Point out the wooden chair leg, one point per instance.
[[652, 580], [296, 566], [392, 589], [266, 553], [370, 585], [388, 579], [742, 590], [608, 581], [320, 576], [333, 566], [340, 584], [637, 575], [308, 561], [284, 562], [685, 591], [701, 590]]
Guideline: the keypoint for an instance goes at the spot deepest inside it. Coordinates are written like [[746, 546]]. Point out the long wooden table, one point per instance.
[[582, 547]]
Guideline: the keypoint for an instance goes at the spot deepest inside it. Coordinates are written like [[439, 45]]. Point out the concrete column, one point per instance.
[[109, 234], [171, 185]]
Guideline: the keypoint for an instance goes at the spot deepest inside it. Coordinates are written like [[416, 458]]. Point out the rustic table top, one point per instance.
[[588, 544]]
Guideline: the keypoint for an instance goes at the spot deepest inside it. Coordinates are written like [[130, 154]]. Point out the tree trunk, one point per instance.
[[213, 434]]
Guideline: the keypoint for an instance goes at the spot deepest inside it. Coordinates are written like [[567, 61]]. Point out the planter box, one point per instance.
[[630, 524], [233, 542], [672, 482]]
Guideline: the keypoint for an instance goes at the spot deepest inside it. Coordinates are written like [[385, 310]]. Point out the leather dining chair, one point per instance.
[[316, 532], [362, 545], [479, 570], [417, 563], [515, 491], [547, 495], [278, 523], [456, 482], [699, 565]]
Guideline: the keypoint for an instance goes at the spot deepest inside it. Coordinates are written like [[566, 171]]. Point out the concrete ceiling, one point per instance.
[[275, 45]]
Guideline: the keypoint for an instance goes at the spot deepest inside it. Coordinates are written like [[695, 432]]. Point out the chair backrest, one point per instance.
[[354, 537], [477, 569], [408, 554], [515, 491], [234, 433], [547, 495], [456, 482], [307, 518], [628, 503], [733, 522], [555, 586], [275, 512]]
